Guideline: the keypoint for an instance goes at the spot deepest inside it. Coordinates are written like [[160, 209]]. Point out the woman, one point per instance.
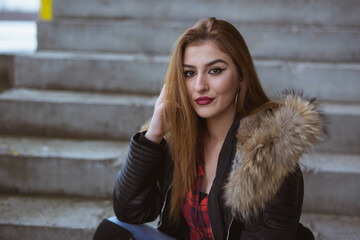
[[219, 159]]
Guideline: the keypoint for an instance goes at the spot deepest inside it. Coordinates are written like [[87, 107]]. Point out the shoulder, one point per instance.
[[269, 145]]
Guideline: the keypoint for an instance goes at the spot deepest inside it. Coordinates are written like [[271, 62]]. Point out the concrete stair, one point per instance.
[[118, 116], [140, 73], [332, 227], [38, 217], [156, 36], [70, 167], [96, 72], [325, 176], [303, 12], [44, 217], [87, 168], [66, 123], [68, 114]]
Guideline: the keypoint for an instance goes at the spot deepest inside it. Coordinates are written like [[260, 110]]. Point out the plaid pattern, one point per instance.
[[196, 212]]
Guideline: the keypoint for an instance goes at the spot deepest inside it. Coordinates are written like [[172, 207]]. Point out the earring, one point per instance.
[[236, 98], [237, 95]]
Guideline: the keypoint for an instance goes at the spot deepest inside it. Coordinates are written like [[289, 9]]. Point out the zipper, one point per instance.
[[228, 231], [163, 207], [212, 234]]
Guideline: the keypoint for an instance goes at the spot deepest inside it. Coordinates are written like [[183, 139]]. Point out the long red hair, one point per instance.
[[185, 126]]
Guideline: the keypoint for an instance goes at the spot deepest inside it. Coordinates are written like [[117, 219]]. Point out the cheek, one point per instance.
[[226, 86], [189, 88]]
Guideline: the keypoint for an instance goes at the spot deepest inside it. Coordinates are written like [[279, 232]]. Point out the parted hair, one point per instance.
[[184, 138]]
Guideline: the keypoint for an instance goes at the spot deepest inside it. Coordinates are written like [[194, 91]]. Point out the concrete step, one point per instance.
[[71, 114], [343, 128], [55, 218], [118, 116], [88, 168], [321, 12], [139, 73], [30, 165], [40, 218], [331, 183], [131, 73], [332, 227], [267, 41]]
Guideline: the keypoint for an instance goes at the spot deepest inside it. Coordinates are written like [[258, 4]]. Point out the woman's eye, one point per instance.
[[188, 74], [216, 71]]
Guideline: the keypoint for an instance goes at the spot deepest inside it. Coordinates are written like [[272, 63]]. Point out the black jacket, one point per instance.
[[258, 189]]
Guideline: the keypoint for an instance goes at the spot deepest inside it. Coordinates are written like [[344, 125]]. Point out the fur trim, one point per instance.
[[269, 145]]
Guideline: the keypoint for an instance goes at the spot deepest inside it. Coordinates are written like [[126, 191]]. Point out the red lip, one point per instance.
[[204, 100]]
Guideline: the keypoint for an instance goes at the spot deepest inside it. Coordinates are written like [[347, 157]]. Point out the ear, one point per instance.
[[241, 82]]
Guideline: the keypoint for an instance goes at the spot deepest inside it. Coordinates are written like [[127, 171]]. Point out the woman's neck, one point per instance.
[[217, 128]]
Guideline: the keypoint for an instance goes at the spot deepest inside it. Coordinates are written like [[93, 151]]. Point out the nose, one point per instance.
[[201, 83]]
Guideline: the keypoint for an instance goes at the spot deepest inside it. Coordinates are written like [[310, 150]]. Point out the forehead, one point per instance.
[[204, 52]]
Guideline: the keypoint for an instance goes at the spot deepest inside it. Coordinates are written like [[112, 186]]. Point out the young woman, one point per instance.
[[219, 159]]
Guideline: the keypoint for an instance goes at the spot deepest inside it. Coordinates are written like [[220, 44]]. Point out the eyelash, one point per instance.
[[217, 70]]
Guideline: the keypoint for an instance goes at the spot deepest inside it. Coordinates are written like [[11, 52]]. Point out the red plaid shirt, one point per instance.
[[196, 212]]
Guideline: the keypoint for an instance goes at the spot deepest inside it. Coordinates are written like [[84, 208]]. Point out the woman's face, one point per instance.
[[211, 80]]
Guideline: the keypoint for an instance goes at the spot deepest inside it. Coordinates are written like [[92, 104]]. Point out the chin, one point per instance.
[[205, 114]]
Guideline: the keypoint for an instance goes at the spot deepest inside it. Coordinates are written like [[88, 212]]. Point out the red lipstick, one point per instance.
[[204, 100]]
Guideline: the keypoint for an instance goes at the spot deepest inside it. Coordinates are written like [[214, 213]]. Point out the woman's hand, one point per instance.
[[158, 128]]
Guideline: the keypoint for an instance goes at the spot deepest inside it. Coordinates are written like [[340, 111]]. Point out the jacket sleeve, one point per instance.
[[280, 218], [137, 194]]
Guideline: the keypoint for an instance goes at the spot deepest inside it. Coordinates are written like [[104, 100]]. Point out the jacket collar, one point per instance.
[[269, 145]]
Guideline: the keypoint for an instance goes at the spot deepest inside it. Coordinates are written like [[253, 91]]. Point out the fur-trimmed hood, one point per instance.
[[269, 146]]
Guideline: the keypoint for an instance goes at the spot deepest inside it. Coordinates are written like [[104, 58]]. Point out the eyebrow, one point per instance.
[[208, 64]]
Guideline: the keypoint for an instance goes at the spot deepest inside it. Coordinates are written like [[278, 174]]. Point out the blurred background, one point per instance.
[[79, 77], [18, 25]]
